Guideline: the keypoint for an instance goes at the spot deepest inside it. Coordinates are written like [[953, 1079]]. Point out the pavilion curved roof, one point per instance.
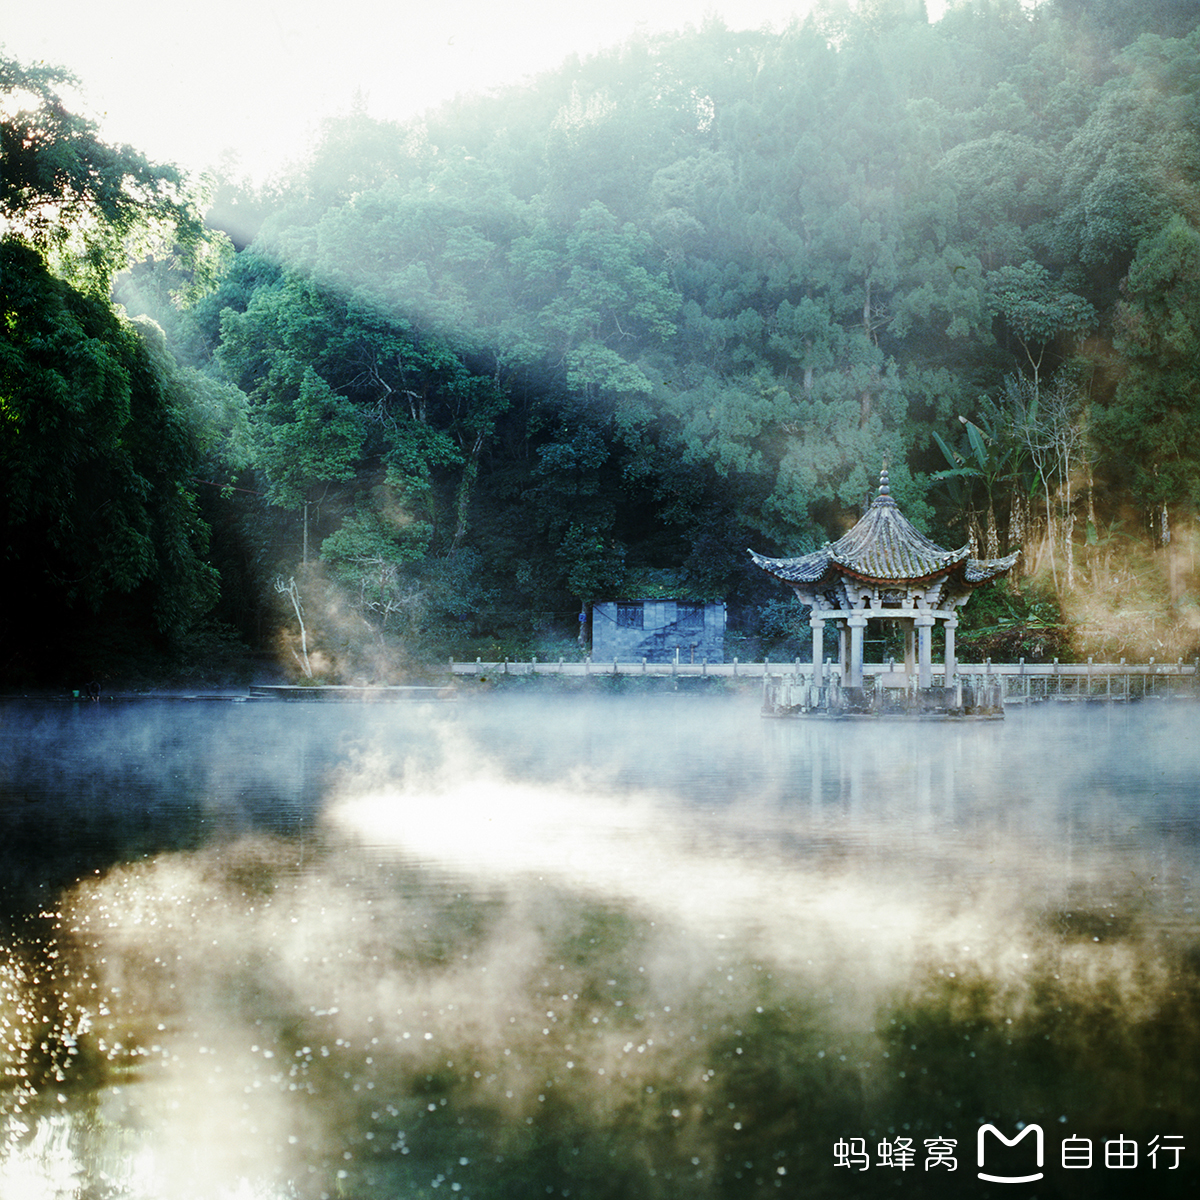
[[886, 548]]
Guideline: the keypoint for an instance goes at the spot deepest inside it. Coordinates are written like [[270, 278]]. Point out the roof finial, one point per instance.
[[884, 490]]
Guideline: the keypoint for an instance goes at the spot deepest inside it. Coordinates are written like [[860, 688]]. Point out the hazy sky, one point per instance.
[[185, 82]]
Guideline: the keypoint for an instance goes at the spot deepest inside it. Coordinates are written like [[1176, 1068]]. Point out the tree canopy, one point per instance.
[[66, 191], [99, 526]]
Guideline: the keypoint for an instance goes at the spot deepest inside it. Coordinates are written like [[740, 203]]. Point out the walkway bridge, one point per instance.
[[974, 689]]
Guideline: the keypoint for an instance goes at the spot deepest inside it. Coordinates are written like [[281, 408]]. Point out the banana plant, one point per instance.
[[990, 460]]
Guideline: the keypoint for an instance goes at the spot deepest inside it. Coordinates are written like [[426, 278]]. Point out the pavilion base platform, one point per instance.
[[800, 695]]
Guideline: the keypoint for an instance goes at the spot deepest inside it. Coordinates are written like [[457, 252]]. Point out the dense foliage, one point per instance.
[[472, 372], [102, 545]]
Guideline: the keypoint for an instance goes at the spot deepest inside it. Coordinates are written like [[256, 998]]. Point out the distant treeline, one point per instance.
[[593, 336]]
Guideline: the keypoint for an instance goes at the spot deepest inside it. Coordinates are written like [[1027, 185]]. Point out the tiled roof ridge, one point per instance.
[[884, 546]]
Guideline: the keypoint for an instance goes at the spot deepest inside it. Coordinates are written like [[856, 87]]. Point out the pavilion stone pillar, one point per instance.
[[951, 660], [924, 626], [817, 621], [857, 622], [910, 651]]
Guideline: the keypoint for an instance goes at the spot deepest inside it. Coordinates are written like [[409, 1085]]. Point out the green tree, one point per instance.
[[1038, 311], [1150, 430], [594, 302], [101, 536], [98, 515], [1134, 161], [68, 193], [376, 433]]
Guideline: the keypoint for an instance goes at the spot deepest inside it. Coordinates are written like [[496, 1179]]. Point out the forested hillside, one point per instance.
[[596, 334]]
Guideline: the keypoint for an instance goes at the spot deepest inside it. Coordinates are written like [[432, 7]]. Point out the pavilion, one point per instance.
[[885, 569]]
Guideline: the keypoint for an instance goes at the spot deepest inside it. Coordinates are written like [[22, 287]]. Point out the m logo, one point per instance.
[[1039, 1145]]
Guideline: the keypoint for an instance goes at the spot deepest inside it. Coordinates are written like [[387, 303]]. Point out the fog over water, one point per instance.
[[591, 945]]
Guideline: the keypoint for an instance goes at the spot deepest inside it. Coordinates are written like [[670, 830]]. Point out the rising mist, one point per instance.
[[611, 947]]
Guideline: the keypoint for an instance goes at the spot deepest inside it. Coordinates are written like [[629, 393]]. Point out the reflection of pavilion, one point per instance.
[[885, 569]]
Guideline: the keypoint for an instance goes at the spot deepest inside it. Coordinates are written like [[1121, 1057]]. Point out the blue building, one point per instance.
[[653, 629]]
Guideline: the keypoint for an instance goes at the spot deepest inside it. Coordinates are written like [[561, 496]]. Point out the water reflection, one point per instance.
[[595, 947]]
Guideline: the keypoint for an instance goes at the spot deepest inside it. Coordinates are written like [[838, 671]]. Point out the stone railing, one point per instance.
[[1019, 681]]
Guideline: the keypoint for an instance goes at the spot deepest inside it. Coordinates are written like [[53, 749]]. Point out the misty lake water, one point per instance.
[[595, 945]]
